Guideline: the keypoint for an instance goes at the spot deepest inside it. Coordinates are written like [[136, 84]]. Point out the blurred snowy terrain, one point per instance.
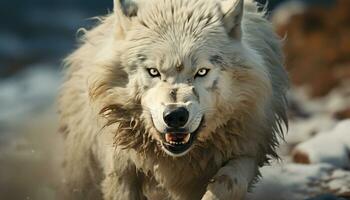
[[29, 91], [29, 142], [39, 31], [35, 35]]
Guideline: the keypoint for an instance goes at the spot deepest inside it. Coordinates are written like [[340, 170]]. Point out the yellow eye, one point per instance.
[[202, 72], [153, 72]]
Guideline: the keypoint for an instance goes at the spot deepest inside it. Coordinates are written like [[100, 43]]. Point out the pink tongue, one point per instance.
[[175, 137]]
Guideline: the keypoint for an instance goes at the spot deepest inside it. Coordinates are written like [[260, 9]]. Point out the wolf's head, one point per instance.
[[189, 68]]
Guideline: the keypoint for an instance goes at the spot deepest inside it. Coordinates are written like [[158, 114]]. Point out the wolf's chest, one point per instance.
[[178, 180]]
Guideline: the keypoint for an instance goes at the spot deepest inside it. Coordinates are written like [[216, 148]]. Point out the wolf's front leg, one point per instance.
[[232, 180], [122, 180], [122, 186], [116, 187]]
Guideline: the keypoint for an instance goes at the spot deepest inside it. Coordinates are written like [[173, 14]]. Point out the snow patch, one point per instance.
[[330, 147], [31, 91]]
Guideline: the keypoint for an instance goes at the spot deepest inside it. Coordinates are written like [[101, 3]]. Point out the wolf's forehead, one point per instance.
[[178, 34], [184, 16]]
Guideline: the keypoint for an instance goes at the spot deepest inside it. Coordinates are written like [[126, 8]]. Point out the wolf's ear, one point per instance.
[[125, 10], [232, 11]]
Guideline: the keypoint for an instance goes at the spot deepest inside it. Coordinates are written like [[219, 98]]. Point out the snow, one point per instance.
[[288, 182], [339, 182], [303, 129], [30, 157], [330, 147], [326, 143], [296, 181], [31, 90]]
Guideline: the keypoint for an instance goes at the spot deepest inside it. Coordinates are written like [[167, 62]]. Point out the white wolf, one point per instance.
[[172, 99]]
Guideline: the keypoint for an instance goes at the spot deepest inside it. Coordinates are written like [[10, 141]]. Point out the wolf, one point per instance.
[[172, 99]]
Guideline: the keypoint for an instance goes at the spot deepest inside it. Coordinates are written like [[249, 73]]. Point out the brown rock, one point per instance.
[[300, 157], [318, 47], [342, 114]]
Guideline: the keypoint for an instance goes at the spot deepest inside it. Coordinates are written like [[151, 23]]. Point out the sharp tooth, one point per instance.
[[187, 138], [168, 138]]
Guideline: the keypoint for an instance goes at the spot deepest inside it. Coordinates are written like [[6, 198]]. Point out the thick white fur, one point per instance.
[[108, 102]]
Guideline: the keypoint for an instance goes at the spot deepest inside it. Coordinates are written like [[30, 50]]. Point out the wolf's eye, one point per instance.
[[153, 72], [202, 72]]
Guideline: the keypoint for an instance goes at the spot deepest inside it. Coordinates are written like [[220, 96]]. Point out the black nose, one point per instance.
[[176, 117]]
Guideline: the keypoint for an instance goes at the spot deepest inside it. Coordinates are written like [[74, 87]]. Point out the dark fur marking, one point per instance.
[[209, 19], [216, 60], [224, 179], [133, 67], [141, 57], [190, 81], [179, 67], [194, 61], [214, 86], [196, 94], [172, 9], [189, 16], [161, 62], [144, 24], [173, 94]]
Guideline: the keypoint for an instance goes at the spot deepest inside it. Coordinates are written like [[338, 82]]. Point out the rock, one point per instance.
[[329, 147], [343, 114], [301, 157]]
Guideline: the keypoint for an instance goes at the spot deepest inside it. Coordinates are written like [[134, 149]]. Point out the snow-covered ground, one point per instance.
[[315, 154], [30, 90], [29, 143], [325, 171]]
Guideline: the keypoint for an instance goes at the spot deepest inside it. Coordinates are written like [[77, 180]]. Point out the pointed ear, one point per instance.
[[125, 10], [232, 11]]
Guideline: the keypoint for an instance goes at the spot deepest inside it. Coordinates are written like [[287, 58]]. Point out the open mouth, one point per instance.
[[178, 143]]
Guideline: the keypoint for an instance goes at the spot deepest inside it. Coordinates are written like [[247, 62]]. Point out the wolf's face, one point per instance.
[[179, 96], [189, 67]]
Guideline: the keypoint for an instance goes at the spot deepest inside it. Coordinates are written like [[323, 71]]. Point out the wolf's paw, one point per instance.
[[224, 187]]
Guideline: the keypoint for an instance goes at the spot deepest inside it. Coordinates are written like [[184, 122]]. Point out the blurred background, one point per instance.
[[36, 35]]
